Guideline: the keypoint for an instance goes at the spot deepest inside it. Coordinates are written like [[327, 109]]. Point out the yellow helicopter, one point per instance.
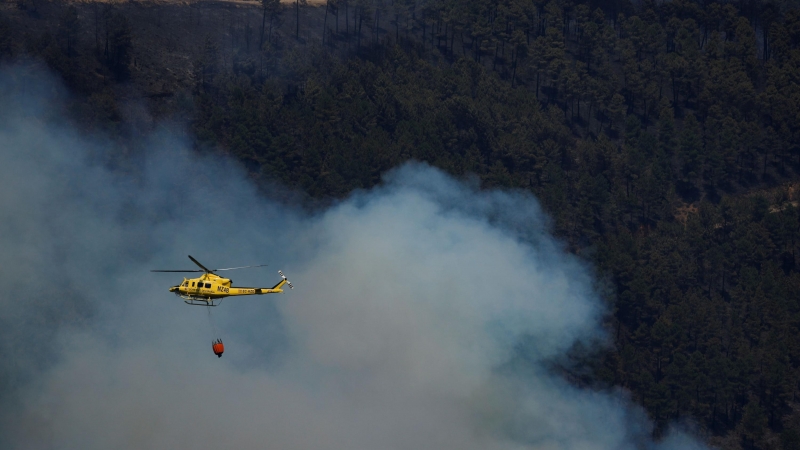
[[210, 288]]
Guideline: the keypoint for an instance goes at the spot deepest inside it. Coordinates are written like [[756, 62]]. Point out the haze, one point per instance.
[[410, 301]]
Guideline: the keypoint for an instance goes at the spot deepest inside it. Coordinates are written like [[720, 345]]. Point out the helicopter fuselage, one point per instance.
[[211, 286]]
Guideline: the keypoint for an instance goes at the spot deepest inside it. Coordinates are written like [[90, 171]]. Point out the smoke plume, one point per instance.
[[412, 300]]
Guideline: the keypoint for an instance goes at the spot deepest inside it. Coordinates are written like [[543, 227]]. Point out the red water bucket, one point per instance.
[[218, 348]]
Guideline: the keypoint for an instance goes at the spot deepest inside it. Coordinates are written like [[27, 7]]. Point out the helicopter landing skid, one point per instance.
[[200, 301]]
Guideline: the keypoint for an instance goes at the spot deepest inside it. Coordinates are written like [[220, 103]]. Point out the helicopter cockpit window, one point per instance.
[[208, 285], [192, 283]]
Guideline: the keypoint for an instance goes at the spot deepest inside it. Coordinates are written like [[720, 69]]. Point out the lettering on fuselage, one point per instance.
[[247, 291], [223, 289]]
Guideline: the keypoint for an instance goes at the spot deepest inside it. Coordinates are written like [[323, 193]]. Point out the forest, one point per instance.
[[662, 137]]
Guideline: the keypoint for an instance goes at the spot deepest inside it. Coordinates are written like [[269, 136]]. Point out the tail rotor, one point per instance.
[[285, 279]]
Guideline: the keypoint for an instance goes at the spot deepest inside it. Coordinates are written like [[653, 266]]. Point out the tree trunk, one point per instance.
[[325, 23], [424, 29], [263, 21], [106, 49], [674, 92], [513, 73], [360, 22], [269, 36], [377, 24], [644, 101], [96, 29]]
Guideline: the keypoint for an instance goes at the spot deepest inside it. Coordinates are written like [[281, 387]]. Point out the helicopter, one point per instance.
[[209, 289]]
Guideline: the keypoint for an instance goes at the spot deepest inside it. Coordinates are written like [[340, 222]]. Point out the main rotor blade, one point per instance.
[[201, 266], [243, 267], [177, 271]]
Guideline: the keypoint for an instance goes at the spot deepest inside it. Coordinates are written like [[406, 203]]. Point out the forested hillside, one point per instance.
[[663, 138]]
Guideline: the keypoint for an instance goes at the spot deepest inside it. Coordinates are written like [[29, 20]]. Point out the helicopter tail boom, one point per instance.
[[277, 288]]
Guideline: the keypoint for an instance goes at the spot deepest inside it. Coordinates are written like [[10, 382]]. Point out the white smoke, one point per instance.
[[410, 300]]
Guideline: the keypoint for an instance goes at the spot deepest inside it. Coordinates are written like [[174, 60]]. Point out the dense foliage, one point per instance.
[[664, 138]]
